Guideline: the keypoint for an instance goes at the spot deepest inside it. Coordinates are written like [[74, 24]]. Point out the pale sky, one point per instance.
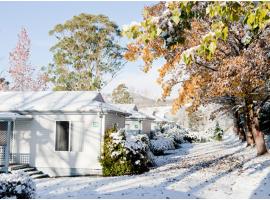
[[40, 17]]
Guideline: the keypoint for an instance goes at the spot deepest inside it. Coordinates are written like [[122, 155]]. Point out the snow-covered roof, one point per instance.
[[127, 107], [133, 110], [158, 113], [53, 101], [13, 116]]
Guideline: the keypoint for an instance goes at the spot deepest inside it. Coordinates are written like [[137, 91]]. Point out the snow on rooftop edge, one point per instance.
[[66, 101]]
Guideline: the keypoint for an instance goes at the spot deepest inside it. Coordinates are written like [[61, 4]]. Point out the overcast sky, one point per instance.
[[40, 17]]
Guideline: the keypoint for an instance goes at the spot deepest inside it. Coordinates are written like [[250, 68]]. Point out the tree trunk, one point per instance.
[[238, 127], [249, 135], [258, 135], [236, 123], [242, 135]]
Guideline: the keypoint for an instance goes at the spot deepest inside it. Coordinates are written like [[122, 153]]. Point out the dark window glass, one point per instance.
[[4, 131], [62, 136]]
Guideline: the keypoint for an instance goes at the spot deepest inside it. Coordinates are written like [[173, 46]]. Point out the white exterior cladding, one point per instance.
[[138, 121], [34, 139], [139, 125]]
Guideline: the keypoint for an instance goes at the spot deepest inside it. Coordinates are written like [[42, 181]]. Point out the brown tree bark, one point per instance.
[[258, 135], [242, 135], [249, 135], [238, 127], [236, 123]]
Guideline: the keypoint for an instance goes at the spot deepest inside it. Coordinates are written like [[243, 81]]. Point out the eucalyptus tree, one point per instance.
[[87, 53]]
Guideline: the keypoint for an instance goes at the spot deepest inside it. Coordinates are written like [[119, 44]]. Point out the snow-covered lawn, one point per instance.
[[208, 170]]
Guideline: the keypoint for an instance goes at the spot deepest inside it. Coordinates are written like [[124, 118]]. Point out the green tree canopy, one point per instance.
[[87, 53], [121, 95]]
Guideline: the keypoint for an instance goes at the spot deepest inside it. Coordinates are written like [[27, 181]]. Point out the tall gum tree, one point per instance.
[[208, 48], [87, 53]]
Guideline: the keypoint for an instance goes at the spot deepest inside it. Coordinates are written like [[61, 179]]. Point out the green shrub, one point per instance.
[[124, 154], [218, 133]]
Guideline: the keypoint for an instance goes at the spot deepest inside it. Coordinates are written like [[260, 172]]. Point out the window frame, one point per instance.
[[69, 135]]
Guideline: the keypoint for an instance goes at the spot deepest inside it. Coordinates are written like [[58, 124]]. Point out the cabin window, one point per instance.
[[4, 131], [136, 126], [62, 136]]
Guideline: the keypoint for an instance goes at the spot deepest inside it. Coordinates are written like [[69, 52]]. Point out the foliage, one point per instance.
[[121, 95], [24, 77], [195, 120], [18, 185], [222, 50], [124, 153], [87, 53], [160, 144], [218, 133]]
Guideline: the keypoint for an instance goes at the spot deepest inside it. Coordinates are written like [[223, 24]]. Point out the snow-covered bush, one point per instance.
[[17, 185], [125, 153], [218, 133], [173, 132], [161, 144], [176, 133], [192, 136]]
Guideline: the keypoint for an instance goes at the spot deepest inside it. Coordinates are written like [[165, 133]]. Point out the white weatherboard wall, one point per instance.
[[112, 119], [36, 138], [135, 125], [146, 126]]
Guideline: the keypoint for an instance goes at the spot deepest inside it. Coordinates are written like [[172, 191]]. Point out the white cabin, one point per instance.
[[137, 121], [59, 133]]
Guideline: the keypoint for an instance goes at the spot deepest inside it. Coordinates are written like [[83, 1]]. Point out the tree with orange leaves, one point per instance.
[[208, 48]]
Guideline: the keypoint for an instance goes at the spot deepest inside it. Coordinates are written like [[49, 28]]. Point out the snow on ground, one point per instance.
[[206, 170]]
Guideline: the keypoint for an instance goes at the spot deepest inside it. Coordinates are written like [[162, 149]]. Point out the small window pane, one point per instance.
[[62, 136]]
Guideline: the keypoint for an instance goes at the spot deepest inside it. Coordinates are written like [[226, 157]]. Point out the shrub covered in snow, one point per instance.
[[196, 137], [161, 144], [173, 132], [125, 153], [218, 133], [17, 185]]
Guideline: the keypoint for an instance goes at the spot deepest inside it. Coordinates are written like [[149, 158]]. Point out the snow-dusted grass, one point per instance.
[[205, 170]]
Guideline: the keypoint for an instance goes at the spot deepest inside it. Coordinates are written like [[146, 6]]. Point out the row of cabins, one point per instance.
[[61, 133]]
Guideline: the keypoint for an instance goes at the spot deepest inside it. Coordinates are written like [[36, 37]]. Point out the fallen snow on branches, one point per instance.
[[17, 185]]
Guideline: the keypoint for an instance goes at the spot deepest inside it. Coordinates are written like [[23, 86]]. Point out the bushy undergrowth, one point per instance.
[[167, 137], [196, 137], [161, 144], [125, 153], [17, 185], [218, 133]]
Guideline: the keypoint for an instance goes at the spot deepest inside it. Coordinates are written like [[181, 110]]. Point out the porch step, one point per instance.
[[38, 176], [31, 171], [18, 166]]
